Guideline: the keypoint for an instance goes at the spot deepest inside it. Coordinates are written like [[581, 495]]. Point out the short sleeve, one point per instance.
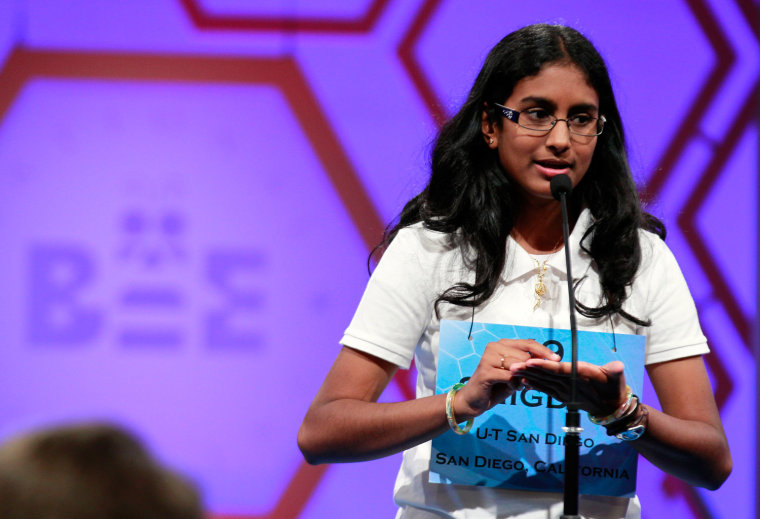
[[397, 303], [675, 331]]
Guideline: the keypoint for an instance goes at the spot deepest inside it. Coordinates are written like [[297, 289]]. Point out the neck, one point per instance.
[[538, 228]]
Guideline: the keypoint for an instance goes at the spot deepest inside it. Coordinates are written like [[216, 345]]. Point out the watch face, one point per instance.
[[631, 434]]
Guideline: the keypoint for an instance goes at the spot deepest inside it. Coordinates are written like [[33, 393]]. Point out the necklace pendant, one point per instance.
[[539, 288]]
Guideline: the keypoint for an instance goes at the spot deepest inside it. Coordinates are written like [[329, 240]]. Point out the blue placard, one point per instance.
[[519, 444]]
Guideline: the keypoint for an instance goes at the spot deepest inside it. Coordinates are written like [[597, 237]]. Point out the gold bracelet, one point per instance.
[[450, 411]]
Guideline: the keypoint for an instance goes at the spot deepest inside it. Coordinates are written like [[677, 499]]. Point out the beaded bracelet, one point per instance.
[[450, 411], [621, 412]]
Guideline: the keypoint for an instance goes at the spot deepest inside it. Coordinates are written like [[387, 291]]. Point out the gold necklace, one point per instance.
[[539, 288]]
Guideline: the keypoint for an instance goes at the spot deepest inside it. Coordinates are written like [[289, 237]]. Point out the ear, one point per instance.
[[490, 134]]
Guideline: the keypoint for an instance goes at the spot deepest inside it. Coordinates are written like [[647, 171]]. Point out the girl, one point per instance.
[[481, 243]]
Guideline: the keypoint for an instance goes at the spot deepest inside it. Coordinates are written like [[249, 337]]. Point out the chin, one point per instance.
[[540, 196]]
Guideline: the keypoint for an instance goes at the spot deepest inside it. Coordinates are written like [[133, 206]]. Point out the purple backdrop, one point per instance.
[[190, 189]]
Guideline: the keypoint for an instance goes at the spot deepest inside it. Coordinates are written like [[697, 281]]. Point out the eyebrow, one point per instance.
[[588, 107]]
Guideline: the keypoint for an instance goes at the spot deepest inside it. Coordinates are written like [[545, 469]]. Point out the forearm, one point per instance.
[[694, 451], [355, 430]]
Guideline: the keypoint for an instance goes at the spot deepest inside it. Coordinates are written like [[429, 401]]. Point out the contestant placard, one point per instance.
[[519, 444]]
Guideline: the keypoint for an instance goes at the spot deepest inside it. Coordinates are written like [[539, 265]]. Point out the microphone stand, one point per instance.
[[560, 188]]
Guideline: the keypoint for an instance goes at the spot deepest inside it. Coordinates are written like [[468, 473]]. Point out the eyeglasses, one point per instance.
[[539, 120]]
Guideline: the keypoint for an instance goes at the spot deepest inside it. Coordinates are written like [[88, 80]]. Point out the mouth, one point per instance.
[[553, 167]]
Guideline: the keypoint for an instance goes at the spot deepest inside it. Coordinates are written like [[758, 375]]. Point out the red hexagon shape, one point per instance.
[[687, 130], [204, 20], [282, 73]]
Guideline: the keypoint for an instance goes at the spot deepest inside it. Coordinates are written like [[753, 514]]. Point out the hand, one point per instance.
[[494, 380], [600, 389]]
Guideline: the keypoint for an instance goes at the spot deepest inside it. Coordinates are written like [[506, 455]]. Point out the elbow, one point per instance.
[[721, 472], [307, 446], [720, 466]]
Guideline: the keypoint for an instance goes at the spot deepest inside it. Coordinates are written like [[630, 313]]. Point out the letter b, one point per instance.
[[57, 273]]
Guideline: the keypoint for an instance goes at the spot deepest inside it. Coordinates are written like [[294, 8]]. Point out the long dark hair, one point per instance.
[[470, 196]]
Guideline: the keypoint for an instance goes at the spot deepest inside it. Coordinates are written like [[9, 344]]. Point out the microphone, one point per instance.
[[560, 184]]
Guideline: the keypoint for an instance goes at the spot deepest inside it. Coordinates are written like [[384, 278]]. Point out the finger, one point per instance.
[[494, 368], [591, 394], [503, 361], [547, 366], [553, 388], [539, 351], [502, 353], [585, 371], [504, 358], [539, 373], [559, 389], [614, 369], [529, 346], [549, 383]]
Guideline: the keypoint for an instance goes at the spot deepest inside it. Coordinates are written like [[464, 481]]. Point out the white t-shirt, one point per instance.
[[396, 321]]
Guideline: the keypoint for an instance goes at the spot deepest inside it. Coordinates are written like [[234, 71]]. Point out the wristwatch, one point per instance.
[[637, 428]]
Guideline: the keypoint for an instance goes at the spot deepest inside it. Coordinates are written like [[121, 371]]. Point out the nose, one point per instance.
[[558, 138]]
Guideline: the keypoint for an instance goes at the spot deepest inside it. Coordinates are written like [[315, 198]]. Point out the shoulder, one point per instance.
[[659, 270], [654, 250], [425, 256], [424, 242]]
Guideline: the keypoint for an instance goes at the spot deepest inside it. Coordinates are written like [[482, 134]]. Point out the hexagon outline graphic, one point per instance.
[[696, 199], [206, 21], [688, 130], [24, 64]]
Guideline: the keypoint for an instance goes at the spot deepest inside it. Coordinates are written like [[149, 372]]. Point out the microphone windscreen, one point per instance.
[[560, 184]]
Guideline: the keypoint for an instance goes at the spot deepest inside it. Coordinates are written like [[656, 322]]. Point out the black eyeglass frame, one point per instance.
[[514, 116]]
